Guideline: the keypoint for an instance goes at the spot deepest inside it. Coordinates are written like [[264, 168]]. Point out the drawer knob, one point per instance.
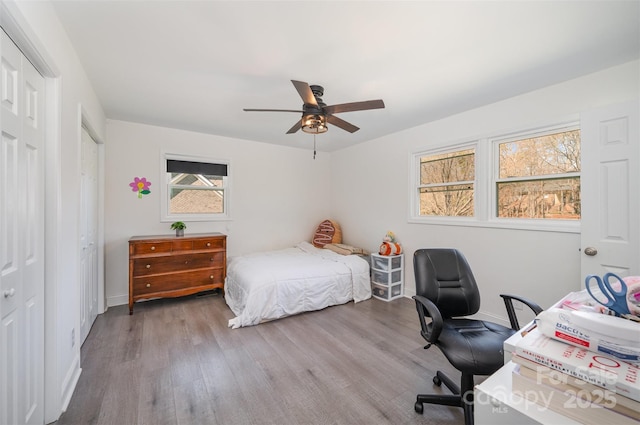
[[148, 285], [186, 262], [211, 259], [153, 248], [211, 277], [148, 266], [208, 243]]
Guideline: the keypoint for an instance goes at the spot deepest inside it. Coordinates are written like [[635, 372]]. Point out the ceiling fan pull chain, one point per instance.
[[314, 146]]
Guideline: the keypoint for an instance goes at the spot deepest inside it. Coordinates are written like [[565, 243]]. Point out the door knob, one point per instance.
[[590, 251]]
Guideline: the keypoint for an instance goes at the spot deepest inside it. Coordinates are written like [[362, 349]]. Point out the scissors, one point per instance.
[[615, 300]]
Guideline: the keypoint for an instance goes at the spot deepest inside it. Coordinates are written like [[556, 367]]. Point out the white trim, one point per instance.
[[69, 383], [164, 191], [116, 300], [485, 180], [414, 175], [568, 226], [14, 24], [53, 230], [489, 317]]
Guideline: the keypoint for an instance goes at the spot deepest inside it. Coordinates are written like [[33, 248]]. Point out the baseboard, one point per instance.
[[70, 382], [117, 300], [481, 315], [491, 318]]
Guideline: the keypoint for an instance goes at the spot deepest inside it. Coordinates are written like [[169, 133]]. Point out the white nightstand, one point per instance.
[[387, 276]]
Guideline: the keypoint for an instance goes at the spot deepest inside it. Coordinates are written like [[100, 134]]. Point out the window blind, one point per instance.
[[191, 167]]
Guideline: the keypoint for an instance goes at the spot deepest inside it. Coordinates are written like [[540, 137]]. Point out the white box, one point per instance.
[[387, 276]]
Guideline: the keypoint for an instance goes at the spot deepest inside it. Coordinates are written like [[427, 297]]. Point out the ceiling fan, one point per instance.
[[316, 114]]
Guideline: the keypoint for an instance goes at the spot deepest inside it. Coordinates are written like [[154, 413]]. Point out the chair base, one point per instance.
[[459, 398]]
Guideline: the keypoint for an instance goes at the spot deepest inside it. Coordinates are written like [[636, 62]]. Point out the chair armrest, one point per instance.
[[513, 318], [426, 308]]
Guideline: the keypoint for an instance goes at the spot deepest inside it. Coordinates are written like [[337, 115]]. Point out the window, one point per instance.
[[446, 183], [539, 176], [526, 180], [195, 189]]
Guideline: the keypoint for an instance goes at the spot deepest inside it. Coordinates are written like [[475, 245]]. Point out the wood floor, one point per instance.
[[175, 361]]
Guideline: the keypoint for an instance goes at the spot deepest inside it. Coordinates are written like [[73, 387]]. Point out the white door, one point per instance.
[[88, 234], [21, 238], [610, 178]]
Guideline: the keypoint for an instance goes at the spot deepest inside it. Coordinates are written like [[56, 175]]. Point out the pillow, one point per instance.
[[343, 249], [327, 232]]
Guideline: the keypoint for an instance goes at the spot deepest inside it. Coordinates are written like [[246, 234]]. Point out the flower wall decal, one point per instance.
[[140, 185]]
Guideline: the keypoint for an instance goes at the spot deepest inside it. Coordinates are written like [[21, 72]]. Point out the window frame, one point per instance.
[[524, 223], [485, 183], [165, 216], [415, 185]]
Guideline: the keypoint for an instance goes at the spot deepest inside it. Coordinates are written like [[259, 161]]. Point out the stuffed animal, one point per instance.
[[389, 245]]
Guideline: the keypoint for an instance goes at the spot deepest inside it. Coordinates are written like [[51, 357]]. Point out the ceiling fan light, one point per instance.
[[314, 124]]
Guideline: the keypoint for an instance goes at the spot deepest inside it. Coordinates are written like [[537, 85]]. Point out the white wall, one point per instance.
[[278, 195], [541, 265], [69, 86]]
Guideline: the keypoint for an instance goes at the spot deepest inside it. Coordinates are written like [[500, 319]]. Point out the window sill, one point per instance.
[[529, 225], [194, 217]]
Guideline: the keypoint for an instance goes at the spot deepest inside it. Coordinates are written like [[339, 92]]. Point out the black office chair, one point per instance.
[[445, 291]]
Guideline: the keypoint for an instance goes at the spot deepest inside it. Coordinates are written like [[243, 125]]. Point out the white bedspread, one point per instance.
[[269, 285]]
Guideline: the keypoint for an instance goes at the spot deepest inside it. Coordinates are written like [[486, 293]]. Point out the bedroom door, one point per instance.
[[21, 238], [611, 190]]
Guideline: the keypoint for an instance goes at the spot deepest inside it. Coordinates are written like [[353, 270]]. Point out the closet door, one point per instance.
[[88, 234], [21, 238]]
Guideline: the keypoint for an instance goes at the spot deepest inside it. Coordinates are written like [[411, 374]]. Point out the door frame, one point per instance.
[[14, 24]]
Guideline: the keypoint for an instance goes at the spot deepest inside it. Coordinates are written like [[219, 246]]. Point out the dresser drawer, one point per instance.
[[213, 243], [177, 263], [140, 248], [178, 281], [182, 245]]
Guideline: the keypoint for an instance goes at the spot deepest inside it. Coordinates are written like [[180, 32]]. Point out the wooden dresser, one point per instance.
[[170, 266]]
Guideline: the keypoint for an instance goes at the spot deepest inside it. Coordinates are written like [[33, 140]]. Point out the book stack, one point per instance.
[[589, 387]]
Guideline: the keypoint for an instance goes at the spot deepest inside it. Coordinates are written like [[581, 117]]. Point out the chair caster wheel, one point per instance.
[[418, 407], [437, 381]]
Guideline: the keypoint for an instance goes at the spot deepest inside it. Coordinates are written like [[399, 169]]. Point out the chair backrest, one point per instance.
[[445, 278]]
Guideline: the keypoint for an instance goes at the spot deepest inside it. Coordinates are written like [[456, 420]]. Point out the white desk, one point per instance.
[[495, 404]]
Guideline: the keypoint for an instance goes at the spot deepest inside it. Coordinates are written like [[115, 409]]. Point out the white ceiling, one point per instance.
[[195, 65]]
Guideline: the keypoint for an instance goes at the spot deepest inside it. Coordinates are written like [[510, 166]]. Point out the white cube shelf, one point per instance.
[[387, 276]]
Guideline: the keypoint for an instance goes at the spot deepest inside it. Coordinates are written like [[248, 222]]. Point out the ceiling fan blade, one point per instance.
[[297, 126], [342, 124], [354, 106], [271, 110], [305, 93]]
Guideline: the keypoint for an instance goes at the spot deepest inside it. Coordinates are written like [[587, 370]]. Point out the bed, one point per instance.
[[275, 284]]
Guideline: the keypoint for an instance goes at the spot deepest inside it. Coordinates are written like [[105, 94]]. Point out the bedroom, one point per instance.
[[371, 201]]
